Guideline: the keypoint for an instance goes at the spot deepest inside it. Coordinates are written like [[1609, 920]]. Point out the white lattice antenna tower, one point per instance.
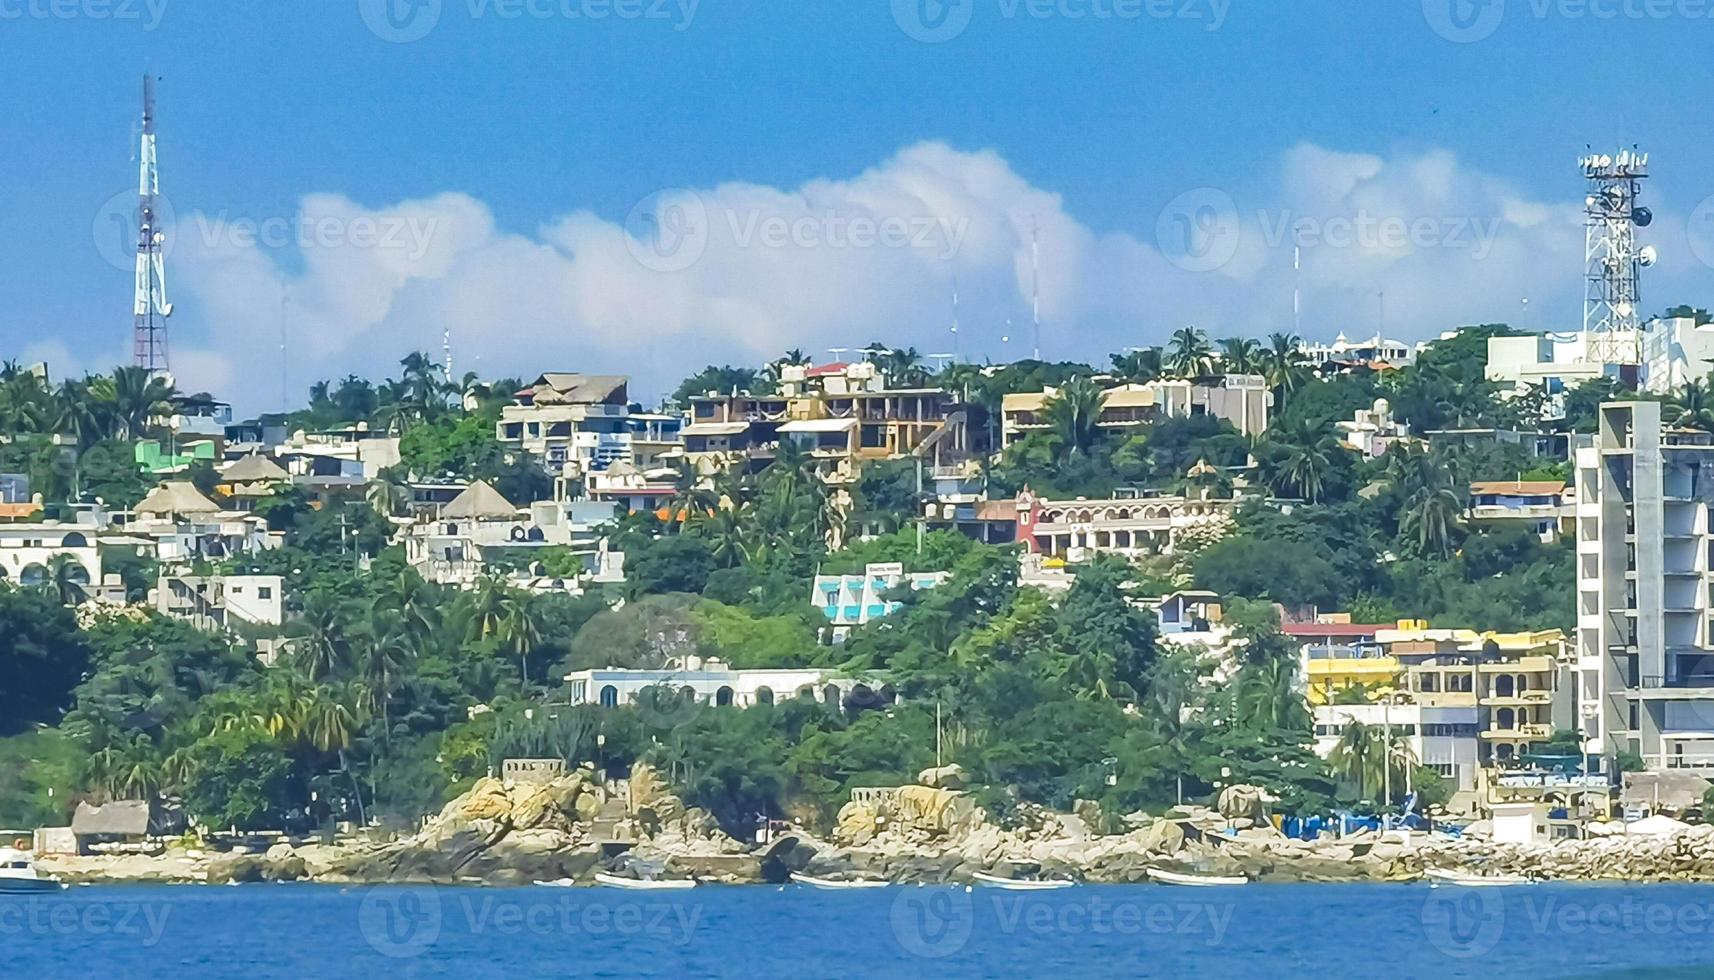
[[1612, 318], [149, 302]]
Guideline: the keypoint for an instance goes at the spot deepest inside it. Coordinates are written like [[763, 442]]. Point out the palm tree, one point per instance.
[[330, 727], [1360, 757], [1695, 404], [1283, 365], [1074, 412], [1305, 460], [1240, 355], [136, 394], [425, 385], [1138, 366], [691, 497], [381, 663], [727, 531], [521, 631], [1431, 516], [388, 496], [67, 579], [1188, 353], [319, 645]]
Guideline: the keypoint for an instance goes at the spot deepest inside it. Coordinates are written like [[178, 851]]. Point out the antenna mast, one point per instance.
[[1035, 288], [149, 303], [1611, 320]]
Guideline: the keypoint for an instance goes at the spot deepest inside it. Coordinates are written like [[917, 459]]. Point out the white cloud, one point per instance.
[[839, 262]]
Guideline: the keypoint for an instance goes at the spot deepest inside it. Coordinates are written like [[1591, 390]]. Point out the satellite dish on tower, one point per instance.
[[1643, 217], [1648, 256]]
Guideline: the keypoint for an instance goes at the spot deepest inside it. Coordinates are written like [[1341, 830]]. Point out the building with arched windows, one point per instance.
[[1133, 526], [708, 682], [28, 553]]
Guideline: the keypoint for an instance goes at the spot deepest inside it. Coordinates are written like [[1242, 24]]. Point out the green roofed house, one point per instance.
[[154, 459]]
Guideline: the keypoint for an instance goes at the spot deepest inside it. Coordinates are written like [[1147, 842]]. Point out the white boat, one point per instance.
[[832, 884], [645, 884], [1022, 884], [559, 883], [18, 875], [1202, 881], [1442, 876]]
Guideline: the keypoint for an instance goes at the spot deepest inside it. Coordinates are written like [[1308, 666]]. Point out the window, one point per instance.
[[264, 592]]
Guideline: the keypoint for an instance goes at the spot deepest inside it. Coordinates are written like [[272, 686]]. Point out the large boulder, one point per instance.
[[856, 824], [647, 786], [487, 800], [945, 777], [551, 805], [1161, 837], [1244, 800]]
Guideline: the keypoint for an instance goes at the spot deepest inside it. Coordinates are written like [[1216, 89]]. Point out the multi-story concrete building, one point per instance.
[[854, 600], [1543, 504], [567, 420], [1371, 352], [28, 552], [1645, 653], [221, 602], [1241, 399], [1129, 526]]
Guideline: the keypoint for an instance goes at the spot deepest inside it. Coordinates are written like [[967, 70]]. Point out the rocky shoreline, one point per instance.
[[571, 827]]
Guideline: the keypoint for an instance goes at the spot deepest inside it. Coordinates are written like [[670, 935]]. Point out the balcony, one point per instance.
[[1520, 733], [1703, 764]]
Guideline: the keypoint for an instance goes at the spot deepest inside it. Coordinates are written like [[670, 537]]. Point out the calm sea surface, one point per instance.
[[1269, 931]]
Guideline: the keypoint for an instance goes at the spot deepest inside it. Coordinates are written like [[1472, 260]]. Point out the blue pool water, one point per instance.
[[1271, 931]]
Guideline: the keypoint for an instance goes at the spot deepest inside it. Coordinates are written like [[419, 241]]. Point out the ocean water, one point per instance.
[[1272, 931]]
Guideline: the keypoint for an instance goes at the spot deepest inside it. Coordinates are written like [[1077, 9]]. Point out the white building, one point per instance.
[[710, 682], [480, 532], [1546, 505], [1676, 351], [573, 423], [853, 600], [179, 524], [1645, 652], [1443, 738], [221, 602], [27, 552], [1556, 362], [1374, 430], [1371, 351]]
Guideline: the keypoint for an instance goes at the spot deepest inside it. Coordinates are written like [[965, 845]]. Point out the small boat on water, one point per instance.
[[1022, 884], [836, 885], [19, 876], [645, 884], [1442, 876], [560, 883], [1202, 881]]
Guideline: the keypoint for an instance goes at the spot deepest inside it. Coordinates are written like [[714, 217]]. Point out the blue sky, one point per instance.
[[518, 149]]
